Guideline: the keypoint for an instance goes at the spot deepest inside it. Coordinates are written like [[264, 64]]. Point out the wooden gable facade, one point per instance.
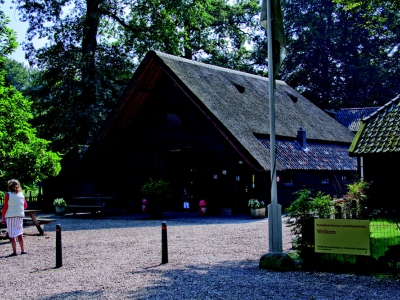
[[206, 128]]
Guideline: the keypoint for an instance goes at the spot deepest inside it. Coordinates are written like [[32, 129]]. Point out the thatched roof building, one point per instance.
[[217, 119]]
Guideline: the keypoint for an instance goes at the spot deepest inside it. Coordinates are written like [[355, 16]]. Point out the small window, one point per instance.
[[289, 179], [345, 178], [325, 180]]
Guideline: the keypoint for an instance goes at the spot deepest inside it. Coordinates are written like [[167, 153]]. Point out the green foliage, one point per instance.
[[93, 50], [358, 190], [307, 206], [17, 74], [82, 71], [8, 40], [157, 191], [342, 58], [59, 202], [322, 205], [214, 31], [303, 210], [336, 57], [254, 204], [353, 204], [22, 154], [351, 4]]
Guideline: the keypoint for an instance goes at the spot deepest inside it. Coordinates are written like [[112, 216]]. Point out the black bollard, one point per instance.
[[58, 246], [164, 246]]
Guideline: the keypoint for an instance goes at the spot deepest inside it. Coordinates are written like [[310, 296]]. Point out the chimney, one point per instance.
[[301, 138]]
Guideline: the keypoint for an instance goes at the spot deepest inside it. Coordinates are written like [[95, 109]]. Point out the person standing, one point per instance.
[[13, 214], [186, 199]]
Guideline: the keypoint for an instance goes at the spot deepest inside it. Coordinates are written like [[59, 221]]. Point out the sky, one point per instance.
[[19, 27]]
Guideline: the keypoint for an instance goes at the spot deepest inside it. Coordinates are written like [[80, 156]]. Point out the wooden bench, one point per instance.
[[85, 208], [41, 221]]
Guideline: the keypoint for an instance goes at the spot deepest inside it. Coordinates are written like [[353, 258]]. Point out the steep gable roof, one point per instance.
[[236, 102], [351, 117], [379, 132]]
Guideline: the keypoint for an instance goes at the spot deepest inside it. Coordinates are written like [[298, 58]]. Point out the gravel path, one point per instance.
[[208, 258]]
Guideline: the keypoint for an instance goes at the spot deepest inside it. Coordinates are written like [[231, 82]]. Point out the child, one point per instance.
[[13, 214]]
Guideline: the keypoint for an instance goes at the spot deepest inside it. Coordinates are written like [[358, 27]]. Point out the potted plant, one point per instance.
[[60, 206], [257, 208], [157, 193]]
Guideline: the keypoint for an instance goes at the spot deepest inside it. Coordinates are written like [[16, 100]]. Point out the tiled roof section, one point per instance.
[[317, 156], [380, 132], [351, 117]]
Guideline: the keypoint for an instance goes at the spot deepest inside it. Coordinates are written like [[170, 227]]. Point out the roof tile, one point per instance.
[[381, 131], [317, 155]]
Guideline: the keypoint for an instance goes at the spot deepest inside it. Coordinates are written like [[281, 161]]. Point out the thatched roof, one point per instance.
[[237, 102]]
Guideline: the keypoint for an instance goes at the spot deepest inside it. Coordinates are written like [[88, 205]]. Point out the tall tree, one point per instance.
[[335, 60], [81, 71], [22, 154], [213, 31], [93, 47], [18, 74]]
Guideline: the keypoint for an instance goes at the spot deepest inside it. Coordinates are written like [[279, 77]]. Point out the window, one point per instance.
[[325, 180], [289, 179], [345, 178]]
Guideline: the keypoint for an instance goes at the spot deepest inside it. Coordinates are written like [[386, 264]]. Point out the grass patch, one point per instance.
[[383, 233]]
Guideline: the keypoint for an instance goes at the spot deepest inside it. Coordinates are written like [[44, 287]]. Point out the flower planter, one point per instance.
[[258, 213], [60, 210]]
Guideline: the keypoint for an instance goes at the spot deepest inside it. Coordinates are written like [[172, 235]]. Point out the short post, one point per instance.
[[58, 246], [164, 246]]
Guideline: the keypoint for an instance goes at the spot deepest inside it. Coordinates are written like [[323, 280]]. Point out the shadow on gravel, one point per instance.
[[237, 280], [77, 295]]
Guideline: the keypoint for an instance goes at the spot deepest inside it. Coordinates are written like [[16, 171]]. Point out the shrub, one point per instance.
[[158, 191], [254, 204], [302, 212], [59, 202], [353, 204]]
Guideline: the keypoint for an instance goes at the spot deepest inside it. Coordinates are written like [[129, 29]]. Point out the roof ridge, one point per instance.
[[205, 65], [382, 108], [357, 108]]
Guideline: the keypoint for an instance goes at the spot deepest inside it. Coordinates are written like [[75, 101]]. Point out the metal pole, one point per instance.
[[164, 246], [58, 246], [274, 209]]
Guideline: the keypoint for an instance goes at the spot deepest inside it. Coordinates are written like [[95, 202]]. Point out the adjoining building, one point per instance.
[[378, 142]]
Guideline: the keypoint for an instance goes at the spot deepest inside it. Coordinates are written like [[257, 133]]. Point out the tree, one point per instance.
[[17, 74], [217, 32], [351, 4], [336, 61], [93, 50], [82, 72], [22, 154]]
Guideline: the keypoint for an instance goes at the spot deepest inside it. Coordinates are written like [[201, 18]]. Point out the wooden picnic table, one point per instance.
[[37, 221], [32, 217]]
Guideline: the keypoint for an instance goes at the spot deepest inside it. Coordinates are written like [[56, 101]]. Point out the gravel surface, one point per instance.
[[208, 258]]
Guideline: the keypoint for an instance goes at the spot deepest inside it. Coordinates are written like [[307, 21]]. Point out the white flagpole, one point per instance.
[[274, 209]]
